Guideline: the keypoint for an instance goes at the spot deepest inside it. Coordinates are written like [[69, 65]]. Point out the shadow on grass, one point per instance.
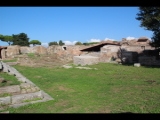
[[128, 64], [147, 66], [151, 66]]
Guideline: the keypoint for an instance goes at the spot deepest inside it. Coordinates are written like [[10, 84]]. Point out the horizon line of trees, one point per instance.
[[77, 43], [22, 39], [19, 39]]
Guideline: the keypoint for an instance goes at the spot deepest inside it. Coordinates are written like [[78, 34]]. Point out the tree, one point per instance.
[[78, 43], [35, 42], [6, 38], [61, 43], [52, 43], [85, 43], [150, 20], [21, 39], [91, 43]]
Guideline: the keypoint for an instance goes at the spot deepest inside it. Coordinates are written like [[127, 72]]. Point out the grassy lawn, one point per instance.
[[10, 80], [112, 88]]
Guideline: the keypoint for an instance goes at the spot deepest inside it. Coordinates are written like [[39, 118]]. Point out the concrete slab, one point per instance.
[[137, 64]]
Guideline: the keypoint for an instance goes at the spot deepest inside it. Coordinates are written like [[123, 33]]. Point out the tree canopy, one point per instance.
[[90, 43], [52, 43], [78, 43], [150, 20], [21, 39], [56, 43], [6, 38], [35, 42], [61, 43]]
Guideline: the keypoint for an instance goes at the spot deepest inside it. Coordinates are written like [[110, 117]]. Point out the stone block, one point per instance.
[[25, 85], [16, 99], [137, 64], [5, 100], [10, 89]]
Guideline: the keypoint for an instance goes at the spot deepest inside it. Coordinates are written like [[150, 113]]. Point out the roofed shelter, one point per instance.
[[142, 39], [97, 48]]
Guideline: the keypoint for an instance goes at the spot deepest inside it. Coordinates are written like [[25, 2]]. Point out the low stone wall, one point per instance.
[[11, 51], [85, 60]]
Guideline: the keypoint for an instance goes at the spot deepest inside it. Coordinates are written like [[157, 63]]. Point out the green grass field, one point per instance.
[[113, 88], [10, 80]]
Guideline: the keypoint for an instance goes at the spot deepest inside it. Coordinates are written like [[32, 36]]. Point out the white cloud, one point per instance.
[[130, 38], [44, 44], [69, 42], [109, 39], [149, 39], [94, 40], [31, 45]]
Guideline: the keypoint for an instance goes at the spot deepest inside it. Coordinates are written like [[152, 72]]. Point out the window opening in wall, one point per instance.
[[143, 47], [64, 48]]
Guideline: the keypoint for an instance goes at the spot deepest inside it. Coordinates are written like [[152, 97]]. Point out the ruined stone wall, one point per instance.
[[11, 51], [108, 52], [65, 52], [85, 60], [39, 50], [35, 49], [24, 50], [136, 48], [95, 54]]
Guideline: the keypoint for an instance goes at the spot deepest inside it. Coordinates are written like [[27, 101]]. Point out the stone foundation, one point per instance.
[[85, 60]]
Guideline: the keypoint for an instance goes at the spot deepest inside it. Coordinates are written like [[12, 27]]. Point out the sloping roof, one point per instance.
[[97, 47], [142, 39]]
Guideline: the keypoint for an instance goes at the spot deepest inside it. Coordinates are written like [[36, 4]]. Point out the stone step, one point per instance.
[[21, 98], [5, 100], [23, 94], [10, 89], [16, 99]]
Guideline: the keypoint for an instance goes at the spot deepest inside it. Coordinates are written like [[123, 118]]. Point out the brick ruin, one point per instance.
[[63, 52], [125, 51]]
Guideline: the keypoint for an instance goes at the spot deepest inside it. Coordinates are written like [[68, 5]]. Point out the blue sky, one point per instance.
[[71, 24]]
